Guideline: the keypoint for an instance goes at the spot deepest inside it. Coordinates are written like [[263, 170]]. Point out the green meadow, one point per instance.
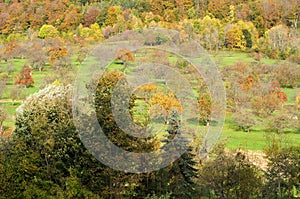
[[235, 138]]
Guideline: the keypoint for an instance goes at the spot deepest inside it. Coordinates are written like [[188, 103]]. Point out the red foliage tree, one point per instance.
[[275, 89], [25, 78]]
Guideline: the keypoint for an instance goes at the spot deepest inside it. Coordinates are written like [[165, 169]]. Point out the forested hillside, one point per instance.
[[269, 26], [46, 46]]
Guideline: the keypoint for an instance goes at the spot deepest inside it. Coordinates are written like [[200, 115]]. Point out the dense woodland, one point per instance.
[[43, 43]]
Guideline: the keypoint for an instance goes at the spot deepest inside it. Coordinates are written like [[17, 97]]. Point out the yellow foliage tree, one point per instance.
[[56, 54], [96, 31], [166, 103], [298, 99], [112, 15], [148, 89], [234, 38]]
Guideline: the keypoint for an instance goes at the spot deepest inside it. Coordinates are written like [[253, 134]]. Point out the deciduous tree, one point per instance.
[[231, 175], [90, 16], [244, 119], [3, 116], [37, 56], [283, 169], [25, 77], [124, 56], [48, 31], [164, 104], [58, 57]]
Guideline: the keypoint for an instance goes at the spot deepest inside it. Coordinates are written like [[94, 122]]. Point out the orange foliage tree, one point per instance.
[[57, 54], [266, 102], [125, 56]]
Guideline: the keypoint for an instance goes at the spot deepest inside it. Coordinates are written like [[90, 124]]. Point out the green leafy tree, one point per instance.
[[124, 184], [45, 154], [283, 170], [230, 175]]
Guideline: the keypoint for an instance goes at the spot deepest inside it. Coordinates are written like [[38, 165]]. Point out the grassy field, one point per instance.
[[255, 140], [291, 94], [227, 58]]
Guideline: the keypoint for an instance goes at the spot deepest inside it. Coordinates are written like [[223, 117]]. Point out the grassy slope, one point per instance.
[[255, 140], [6, 100]]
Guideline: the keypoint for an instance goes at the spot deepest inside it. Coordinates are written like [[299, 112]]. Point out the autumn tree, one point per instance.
[[90, 16], [267, 101], [11, 51], [281, 121], [2, 86], [124, 56], [244, 119], [91, 33], [210, 31], [238, 85], [204, 105], [25, 77], [297, 108], [37, 56], [275, 42], [82, 54], [54, 12], [96, 31], [253, 88], [220, 8], [15, 37], [234, 38], [147, 91], [112, 15], [36, 15], [58, 57], [240, 35], [287, 74], [3, 116], [163, 104], [72, 18], [48, 31], [17, 93]]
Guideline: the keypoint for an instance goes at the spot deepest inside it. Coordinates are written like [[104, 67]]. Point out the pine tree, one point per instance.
[[182, 172]]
